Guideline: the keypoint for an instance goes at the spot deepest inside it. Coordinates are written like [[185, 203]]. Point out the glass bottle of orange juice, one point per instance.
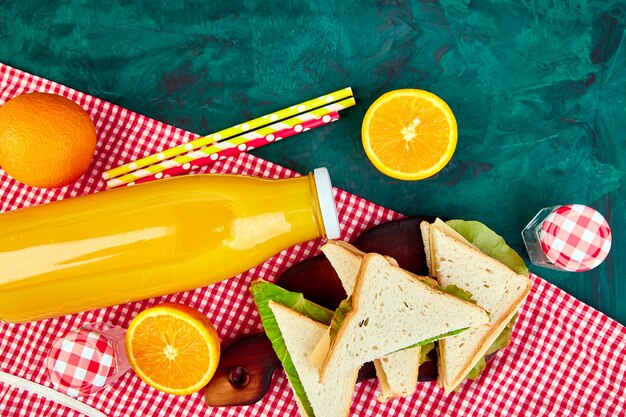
[[153, 239]]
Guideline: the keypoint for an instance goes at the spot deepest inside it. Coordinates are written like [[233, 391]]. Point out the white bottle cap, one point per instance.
[[327, 202]]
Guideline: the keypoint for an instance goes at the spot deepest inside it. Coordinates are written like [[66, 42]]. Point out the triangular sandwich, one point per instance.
[[495, 287], [301, 334], [397, 373], [390, 310]]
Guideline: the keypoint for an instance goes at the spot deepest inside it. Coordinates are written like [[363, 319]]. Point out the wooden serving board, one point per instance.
[[246, 366]]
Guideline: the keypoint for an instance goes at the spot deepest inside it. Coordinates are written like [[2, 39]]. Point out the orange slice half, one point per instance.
[[173, 348], [409, 134]]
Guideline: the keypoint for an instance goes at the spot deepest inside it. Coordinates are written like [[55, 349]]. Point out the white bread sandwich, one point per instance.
[[300, 335], [397, 373], [454, 261], [390, 310], [294, 325], [425, 231]]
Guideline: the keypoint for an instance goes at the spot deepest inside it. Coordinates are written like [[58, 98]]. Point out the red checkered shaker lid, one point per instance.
[[80, 363], [575, 237]]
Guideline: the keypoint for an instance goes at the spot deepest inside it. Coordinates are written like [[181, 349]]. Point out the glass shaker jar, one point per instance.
[[87, 359], [573, 238]]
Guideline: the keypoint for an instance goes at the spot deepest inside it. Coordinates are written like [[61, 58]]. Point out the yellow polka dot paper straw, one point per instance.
[[238, 141], [209, 156], [230, 132]]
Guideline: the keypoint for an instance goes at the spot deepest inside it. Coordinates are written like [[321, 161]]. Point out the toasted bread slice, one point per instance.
[[301, 334], [397, 373], [391, 310], [494, 286]]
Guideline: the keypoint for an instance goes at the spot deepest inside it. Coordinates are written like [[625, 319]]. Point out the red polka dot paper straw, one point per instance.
[[236, 150], [195, 154], [237, 130]]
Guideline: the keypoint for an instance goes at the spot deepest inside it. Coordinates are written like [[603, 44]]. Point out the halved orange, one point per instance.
[[409, 134], [173, 348]]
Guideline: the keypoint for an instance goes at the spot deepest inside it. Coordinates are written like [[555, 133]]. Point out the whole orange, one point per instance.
[[46, 140]]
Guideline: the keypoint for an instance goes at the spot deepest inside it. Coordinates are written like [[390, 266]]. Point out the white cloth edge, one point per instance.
[[49, 394]]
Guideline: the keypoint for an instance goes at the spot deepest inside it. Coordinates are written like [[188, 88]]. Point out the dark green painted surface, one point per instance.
[[538, 88]]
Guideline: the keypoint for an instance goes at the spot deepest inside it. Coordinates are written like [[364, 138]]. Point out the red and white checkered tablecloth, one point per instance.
[[565, 357]]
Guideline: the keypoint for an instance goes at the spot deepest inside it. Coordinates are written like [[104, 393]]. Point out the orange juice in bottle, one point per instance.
[[153, 239]]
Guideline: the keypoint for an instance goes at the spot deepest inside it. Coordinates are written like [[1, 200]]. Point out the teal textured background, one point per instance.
[[538, 88]]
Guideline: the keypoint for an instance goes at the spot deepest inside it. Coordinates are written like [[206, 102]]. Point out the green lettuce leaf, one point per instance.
[[425, 350], [459, 293], [340, 314], [500, 343], [262, 292], [432, 339], [476, 370], [431, 283], [489, 243], [503, 338]]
